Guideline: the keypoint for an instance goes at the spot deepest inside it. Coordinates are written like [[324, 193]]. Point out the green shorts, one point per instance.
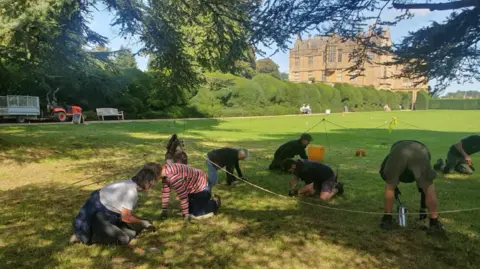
[[407, 162]]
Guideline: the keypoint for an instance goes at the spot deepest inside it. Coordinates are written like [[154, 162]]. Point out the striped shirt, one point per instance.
[[184, 180]]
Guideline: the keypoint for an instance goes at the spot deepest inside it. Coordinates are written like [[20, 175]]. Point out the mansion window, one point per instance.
[[339, 56], [331, 53], [310, 61], [296, 76], [371, 55], [297, 61], [310, 74], [384, 72], [324, 75]]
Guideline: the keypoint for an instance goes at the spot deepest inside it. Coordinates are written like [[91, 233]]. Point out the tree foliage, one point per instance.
[[125, 59], [268, 66], [49, 43]]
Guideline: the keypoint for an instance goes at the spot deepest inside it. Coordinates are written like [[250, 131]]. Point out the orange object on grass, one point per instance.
[[360, 153], [315, 152]]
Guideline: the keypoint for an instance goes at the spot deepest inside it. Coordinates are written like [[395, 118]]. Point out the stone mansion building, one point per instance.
[[326, 59]]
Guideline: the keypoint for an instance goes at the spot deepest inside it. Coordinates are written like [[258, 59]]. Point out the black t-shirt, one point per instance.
[[226, 157], [313, 172], [470, 144], [290, 150]]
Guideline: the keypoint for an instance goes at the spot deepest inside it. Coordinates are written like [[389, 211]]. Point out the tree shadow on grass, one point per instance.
[[256, 229], [27, 144]]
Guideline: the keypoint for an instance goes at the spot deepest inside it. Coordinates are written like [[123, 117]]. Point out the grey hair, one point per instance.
[[245, 152]]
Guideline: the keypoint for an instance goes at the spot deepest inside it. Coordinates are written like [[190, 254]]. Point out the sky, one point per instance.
[[101, 19]]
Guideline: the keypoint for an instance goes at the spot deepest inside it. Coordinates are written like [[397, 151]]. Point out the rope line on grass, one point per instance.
[[322, 206]]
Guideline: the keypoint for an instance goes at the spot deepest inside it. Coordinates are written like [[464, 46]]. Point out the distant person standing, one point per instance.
[[303, 109], [308, 110], [290, 150], [458, 156]]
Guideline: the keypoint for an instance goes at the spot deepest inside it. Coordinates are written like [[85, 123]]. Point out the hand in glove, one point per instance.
[[292, 192], [164, 215], [147, 225]]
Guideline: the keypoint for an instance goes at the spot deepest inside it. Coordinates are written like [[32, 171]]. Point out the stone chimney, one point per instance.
[[387, 32]]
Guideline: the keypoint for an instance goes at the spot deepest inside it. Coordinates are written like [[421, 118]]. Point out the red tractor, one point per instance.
[[61, 113]]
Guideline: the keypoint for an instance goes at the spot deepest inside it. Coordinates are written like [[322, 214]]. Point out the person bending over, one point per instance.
[[107, 216], [191, 186], [407, 162], [290, 150], [319, 179], [458, 156], [175, 151], [228, 158]]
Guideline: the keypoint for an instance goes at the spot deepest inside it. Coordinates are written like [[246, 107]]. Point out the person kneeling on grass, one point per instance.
[[290, 150], [318, 178], [107, 218], [175, 151], [225, 157], [458, 156], [191, 186], [409, 161]]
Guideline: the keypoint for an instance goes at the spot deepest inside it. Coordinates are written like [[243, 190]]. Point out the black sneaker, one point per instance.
[[339, 187], [217, 199], [387, 223], [438, 165], [437, 229]]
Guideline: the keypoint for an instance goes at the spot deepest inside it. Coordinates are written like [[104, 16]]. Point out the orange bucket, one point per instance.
[[315, 153]]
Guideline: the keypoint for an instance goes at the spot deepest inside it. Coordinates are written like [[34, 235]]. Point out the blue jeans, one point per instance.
[[212, 174]]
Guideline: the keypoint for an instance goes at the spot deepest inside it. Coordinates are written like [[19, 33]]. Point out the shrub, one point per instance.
[[422, 100], [457, 104], [90, 115]]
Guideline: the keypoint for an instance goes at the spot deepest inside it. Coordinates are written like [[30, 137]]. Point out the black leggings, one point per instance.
[[108, 229], [200, 203]]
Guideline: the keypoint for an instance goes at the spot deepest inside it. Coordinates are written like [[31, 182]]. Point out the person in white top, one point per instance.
[[308, 110], [107, 216], [302, 109]]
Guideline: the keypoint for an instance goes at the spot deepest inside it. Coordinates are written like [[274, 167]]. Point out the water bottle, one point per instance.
[[402, 215]]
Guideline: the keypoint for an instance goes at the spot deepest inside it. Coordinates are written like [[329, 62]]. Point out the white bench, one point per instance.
[[105, 112]]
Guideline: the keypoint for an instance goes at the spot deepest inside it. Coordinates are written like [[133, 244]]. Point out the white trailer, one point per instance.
[[19, 107]]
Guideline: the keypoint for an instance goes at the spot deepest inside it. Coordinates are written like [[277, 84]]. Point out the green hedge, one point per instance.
[[228, 95], [455, 104], [423, 100]]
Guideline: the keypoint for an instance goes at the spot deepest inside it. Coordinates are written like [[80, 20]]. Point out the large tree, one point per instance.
[[268, 66], [189, 37], [125, 58]]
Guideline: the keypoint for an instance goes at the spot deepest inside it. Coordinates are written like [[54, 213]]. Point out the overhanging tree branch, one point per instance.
[[439, 6]]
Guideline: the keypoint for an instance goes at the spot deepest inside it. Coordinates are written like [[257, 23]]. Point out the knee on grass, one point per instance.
[[325, 196]]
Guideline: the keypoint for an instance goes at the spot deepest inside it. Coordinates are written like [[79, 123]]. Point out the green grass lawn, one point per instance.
[[47, 172]]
